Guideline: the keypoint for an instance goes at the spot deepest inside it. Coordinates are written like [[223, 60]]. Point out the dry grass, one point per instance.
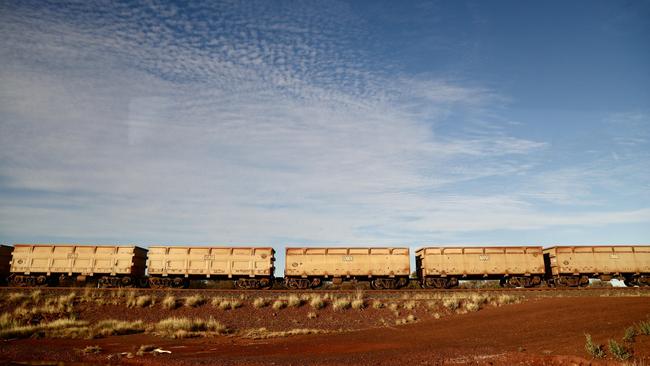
[[261, 302], [188, 327], [92, 350], [294, 301], [358, 304], [472, 306], [451, 303], [376, 304], [317, 302], [16, 296], [341, 304], [139, 301], [169, 302], [194, 301], [312, 315], [279, 304], [109, 327], [409, 319], [60, 328], [263, 333], [409, 305]]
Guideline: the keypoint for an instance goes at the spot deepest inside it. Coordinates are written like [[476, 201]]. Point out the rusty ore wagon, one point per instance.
[[574, 265], [174, 266], [385, 268], [108, 265], [443, 267]]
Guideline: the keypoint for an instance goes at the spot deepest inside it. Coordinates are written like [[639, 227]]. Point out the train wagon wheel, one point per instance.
[[178, 282], [16, 280], [41, 281], [126, 281]]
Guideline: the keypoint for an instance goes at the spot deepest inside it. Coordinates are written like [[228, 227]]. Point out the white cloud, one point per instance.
[[121, 128]]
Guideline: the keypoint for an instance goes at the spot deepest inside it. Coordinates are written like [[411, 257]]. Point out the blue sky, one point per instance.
[[304, 123]]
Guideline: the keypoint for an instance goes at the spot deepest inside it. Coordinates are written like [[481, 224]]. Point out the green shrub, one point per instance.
[[619, 351], [595, 350]]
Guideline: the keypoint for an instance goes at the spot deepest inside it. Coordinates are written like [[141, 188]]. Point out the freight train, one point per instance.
[[310, 267]]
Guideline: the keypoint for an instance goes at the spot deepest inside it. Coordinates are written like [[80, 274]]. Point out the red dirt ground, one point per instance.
[[544, 331]]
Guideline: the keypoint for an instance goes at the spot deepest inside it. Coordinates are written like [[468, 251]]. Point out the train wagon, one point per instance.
[[385, 268], [108, 265], [443, 267], [174, 266], [574, 265], [5, 259]]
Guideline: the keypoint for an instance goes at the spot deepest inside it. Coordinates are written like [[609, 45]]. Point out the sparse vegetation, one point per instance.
[[358, 304], [619, 351], [294, 301], [279, 304], [139, 301], [629, 335], [105, 328], [377, 304], [644, 327], [595, 350], [409, 319], [341, 304], [312, 315], [92, 350], [260, 302], [317, 302], [194, 301], [187, 327], [169, 302], [451, 303], [472, 306], [263, 333], [409, 305]]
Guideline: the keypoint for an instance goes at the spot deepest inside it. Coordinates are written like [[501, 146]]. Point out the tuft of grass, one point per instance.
[[186, 327], [472, 306], [234, 304], [317, 302], [619, 351], [593, 349], [60, 328], [409, 305], [263, 333], [260, 302], [194, 301], [341, 304], [138, 301], [169, 302], [109, 327], [358, 304], [629, 335], [294, 301], [312, 315], [393, 307], [92, 350], [644, 327], [376, 304], [507, 299], [451, 303], [409, 319], [279, 304], [16, 296]]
